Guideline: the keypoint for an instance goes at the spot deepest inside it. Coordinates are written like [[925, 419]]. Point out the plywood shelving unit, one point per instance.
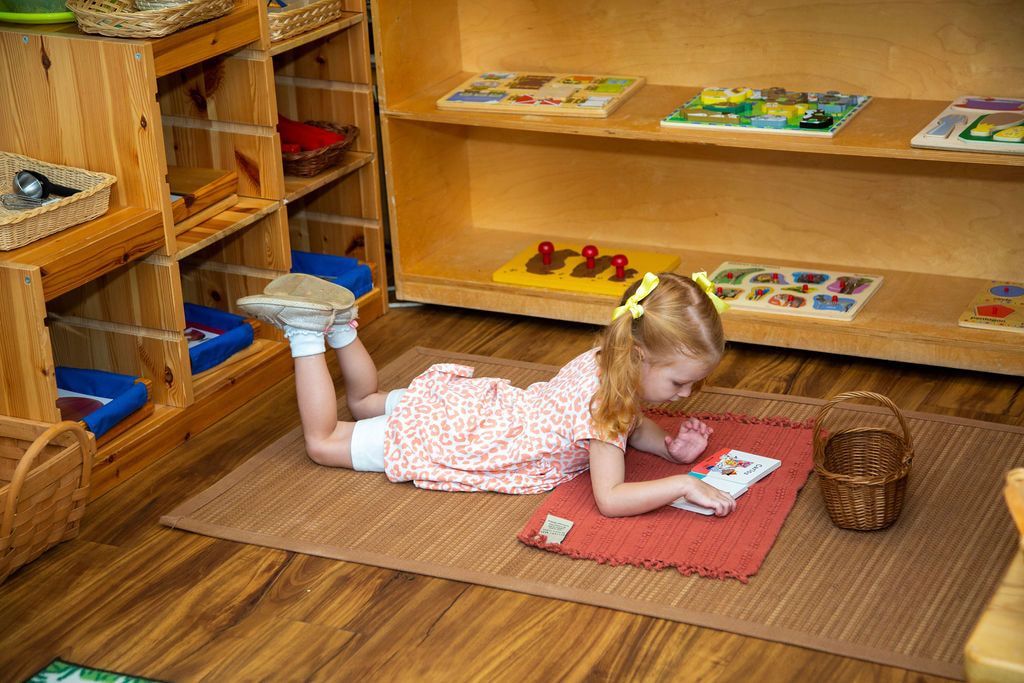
[[109, 294], [468, 190], [325, 75]]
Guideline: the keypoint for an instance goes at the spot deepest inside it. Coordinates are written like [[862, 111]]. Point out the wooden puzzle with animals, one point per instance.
[[976, 124], [768, 110], [999, 306], [581, 269], [810, 292], [541, 93]]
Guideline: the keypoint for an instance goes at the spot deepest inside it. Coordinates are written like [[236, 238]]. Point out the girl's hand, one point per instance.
[[708, 496], [689, 443]]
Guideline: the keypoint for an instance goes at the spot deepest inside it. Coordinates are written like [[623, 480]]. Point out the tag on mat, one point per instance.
[[555, 528]]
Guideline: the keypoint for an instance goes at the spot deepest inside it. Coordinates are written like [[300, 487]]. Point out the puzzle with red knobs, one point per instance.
[[589, 268], [810, 292], [999, 306]]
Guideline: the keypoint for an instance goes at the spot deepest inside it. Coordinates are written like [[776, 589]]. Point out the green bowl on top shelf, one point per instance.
[[35, 12]]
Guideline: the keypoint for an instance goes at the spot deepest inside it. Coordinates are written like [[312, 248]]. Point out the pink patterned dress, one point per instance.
[[455, 432]]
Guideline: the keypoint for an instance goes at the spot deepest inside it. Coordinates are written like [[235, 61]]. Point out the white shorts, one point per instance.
[[368, 437]]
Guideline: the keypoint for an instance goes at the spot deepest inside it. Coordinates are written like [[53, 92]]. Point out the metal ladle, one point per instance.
[[32, 190], [37, 186]]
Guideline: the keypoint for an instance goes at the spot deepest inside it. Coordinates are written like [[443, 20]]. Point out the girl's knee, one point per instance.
[[365, 407], [330, 452]]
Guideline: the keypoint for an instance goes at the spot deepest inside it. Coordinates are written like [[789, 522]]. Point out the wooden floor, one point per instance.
[[132, 596]]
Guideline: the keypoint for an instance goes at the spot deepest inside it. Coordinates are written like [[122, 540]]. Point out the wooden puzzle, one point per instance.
[[810, 292], [999, 306], [581, 268], [768, 110], [541, 93], [976, 124]]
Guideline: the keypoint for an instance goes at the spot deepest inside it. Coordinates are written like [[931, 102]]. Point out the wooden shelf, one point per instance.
[[913, 317], [247, 211], [882, 129], [218, 392], [296, 187], [177, 50], [72, 257], [348, 19]]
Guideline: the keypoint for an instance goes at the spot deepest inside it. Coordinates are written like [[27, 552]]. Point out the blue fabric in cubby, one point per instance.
[[237, 335], [127, 395], [341, 270]]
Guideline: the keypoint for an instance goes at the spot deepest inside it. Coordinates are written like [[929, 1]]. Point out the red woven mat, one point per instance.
[[721, 547]]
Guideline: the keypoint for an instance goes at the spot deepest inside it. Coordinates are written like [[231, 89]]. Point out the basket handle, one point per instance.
[[88, 447], [870, 395]]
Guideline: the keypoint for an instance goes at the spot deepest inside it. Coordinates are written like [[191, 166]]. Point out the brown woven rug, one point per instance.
[[907, 596]]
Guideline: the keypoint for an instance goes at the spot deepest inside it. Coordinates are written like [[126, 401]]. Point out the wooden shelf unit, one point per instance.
[[469, 190], [325, 75], [109, 294]]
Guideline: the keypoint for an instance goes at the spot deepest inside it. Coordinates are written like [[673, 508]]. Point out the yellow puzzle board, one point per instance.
[[999, 306], [568, 269], [529, 92]]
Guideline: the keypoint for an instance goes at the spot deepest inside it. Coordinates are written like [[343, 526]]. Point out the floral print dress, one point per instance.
[[455, 432]]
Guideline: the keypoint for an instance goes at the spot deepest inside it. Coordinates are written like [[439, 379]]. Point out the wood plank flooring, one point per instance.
[[132, 596]]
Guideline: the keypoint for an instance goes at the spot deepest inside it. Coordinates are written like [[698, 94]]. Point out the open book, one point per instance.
[[730, 471]]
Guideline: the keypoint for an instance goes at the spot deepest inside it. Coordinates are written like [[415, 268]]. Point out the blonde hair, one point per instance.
[[678, 318]]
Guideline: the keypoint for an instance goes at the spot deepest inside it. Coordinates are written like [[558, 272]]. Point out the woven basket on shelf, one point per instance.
[[863, 470], [19, 227], [313, 162], [119, 18], [291, 22], [43, 490]]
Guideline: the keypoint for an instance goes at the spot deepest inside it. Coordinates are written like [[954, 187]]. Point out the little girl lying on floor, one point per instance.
[[451, 431]]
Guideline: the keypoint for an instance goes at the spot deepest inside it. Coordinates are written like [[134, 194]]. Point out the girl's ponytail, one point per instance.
[[615, 405]]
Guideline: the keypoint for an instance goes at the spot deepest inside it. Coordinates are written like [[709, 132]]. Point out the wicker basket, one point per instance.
[[18, 228], [43, 489], [863, 471], [292, 22], [119, 18], [313, 162]]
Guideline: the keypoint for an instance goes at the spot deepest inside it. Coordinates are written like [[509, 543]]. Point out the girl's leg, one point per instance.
[[328, 441], [362, 394]]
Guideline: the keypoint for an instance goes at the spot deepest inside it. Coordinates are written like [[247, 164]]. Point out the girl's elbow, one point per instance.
[[608, 507]]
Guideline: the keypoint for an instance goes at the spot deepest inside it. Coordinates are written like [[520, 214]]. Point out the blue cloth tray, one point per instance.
[[127, 394], [341, 270], [237, 335]]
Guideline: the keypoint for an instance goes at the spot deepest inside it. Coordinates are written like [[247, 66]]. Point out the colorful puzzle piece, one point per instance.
[[572, 267], [550, 94], [794, 291], [769, 109], [976, 124], [999, 306]]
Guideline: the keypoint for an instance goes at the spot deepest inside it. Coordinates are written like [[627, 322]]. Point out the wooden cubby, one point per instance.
[[109, 294], [469, 190]]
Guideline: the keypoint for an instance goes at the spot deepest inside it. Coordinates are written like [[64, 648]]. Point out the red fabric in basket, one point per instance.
[[720, 547]]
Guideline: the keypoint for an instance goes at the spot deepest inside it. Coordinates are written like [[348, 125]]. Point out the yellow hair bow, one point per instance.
[[632, 304], [708, 286]]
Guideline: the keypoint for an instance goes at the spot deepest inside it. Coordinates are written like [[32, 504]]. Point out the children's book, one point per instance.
[[730, 471]]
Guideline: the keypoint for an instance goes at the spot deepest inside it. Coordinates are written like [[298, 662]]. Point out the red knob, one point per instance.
[[620, 262], [545, 249], [590, 253]]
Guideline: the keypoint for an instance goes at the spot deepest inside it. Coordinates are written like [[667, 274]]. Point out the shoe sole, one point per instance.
[[299, 286], [280, 310]]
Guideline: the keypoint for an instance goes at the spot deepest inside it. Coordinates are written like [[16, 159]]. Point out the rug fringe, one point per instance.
[[773, 421]]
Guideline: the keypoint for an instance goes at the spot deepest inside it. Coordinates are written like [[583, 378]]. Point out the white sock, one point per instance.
[[340, 336], [304, 342]]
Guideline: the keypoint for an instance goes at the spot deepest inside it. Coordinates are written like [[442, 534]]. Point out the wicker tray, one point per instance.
[[119, 18], [291, 22], [863, 471], [18, 228], [44, 485], [310, 163]]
